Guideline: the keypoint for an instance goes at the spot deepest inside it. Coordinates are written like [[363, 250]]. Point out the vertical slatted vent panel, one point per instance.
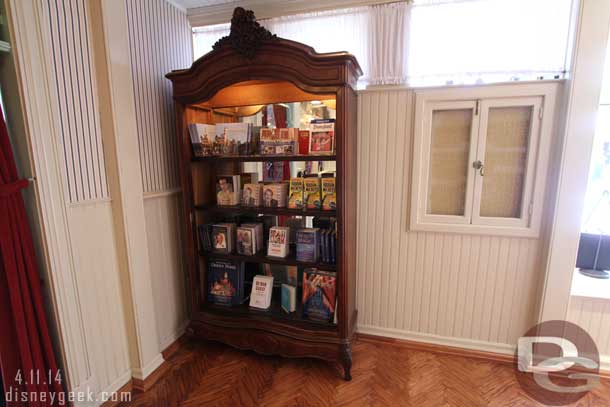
[[81, 139], [160, 41]]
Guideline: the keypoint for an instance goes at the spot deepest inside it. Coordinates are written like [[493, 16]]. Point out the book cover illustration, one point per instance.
[[273, 171], [202, 136], [307, 245], [225, 282], [312, 192], [295, 200], [319, 294], [251, 195], [245, 241], [274, 195], [227, 190], [329, 194], [322, 136], [278, 241], [222, 238]]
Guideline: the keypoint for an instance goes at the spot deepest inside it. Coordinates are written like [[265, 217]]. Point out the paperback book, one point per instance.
[[295, 200], [329, 193], [225, 282], [235, 136], [312, 196], [289, 298], [251, 195], [308, 245], [254, 232], [222, 237], [304, 142], [228, 190], [202, 136], [322, 136], [245, 241], [274, 195], [278, 241], [262, 290], [319, 294]]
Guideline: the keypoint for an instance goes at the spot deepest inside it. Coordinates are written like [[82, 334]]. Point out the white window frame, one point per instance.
[[542, 98]]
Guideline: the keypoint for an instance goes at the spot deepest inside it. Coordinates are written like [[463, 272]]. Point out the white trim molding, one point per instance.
[[581, 106]]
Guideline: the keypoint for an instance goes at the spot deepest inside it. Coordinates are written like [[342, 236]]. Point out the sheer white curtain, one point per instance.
[[434, 42], [375, 35], [474, 41]]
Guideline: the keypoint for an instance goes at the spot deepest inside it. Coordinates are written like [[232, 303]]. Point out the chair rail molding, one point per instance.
[[31, 47]]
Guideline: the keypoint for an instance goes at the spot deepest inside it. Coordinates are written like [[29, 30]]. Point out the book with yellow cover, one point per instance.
[[329, 193], [312, 192], [295, 197]]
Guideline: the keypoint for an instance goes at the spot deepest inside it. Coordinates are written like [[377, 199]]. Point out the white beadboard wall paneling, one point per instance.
[[98, 280], [163, 220], [593, 315], [160, 41], [466, 287], [83, 154]]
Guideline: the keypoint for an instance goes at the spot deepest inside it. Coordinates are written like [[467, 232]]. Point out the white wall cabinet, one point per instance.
[[481, 158]]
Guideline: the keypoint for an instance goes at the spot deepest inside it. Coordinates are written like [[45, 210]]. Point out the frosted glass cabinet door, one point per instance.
[[510, 128], [452, 131]]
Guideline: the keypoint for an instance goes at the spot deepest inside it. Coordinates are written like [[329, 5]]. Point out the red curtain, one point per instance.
[[26, 355]]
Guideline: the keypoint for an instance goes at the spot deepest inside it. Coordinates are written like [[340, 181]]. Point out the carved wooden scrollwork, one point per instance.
[[246, 34]]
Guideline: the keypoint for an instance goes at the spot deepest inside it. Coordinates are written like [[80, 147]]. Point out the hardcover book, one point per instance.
[[308, 245], [236, 137], [312, 195], [262, 289], [251, 195], [227, 190], [256, 230], [289, 298], [304, 142], [295, 200], [278, 241], [322, 136], [273, 171], [204, 237], [222, 237], [245, 241], [319, 294], [274, 195], [225, 282], [329, 193], [202, 136]]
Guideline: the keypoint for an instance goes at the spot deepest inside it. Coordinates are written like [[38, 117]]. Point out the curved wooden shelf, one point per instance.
[[266, 211], [261, 258]]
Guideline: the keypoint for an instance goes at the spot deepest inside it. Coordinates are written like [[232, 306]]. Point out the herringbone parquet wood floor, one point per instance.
[[384, 374]]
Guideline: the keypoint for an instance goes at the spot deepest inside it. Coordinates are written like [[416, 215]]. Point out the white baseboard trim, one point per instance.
[[115, 386], [173, 337], [502, 348], [142, 373]]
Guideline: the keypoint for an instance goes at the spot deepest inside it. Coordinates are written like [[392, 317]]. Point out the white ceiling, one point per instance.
[[186, 4]]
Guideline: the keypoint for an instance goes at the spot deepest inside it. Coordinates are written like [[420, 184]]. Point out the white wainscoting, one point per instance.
[[163, 222], [470, 291], [593, 315], [99, 288]]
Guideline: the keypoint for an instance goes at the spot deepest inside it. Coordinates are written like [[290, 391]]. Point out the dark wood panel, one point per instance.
[[266, 158], [290, 260], [265, 211]]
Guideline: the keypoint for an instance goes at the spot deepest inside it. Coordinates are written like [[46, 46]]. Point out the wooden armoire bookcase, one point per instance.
[[247, 69]]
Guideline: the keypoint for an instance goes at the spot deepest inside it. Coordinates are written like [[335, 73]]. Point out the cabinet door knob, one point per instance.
[[478, 165]]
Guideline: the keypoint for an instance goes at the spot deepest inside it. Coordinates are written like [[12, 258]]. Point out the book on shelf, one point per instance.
[[245, 241], [311, 187], [274, 195], [322, 136], [251, 195], [308, 244], [319, 294], [228, 190], [273, 171], [278, 241], [295, 197], [202, 137], [262, 290], [222, 237], [256, 236], [294, 223], [205, 242], [280, 141], [236, 138], [225, 282], [289, 298], [333, 247], [329, 192], [304, 142]]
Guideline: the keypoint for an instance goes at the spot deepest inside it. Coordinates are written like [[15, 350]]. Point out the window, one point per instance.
[[480, 158], [434, 42]]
